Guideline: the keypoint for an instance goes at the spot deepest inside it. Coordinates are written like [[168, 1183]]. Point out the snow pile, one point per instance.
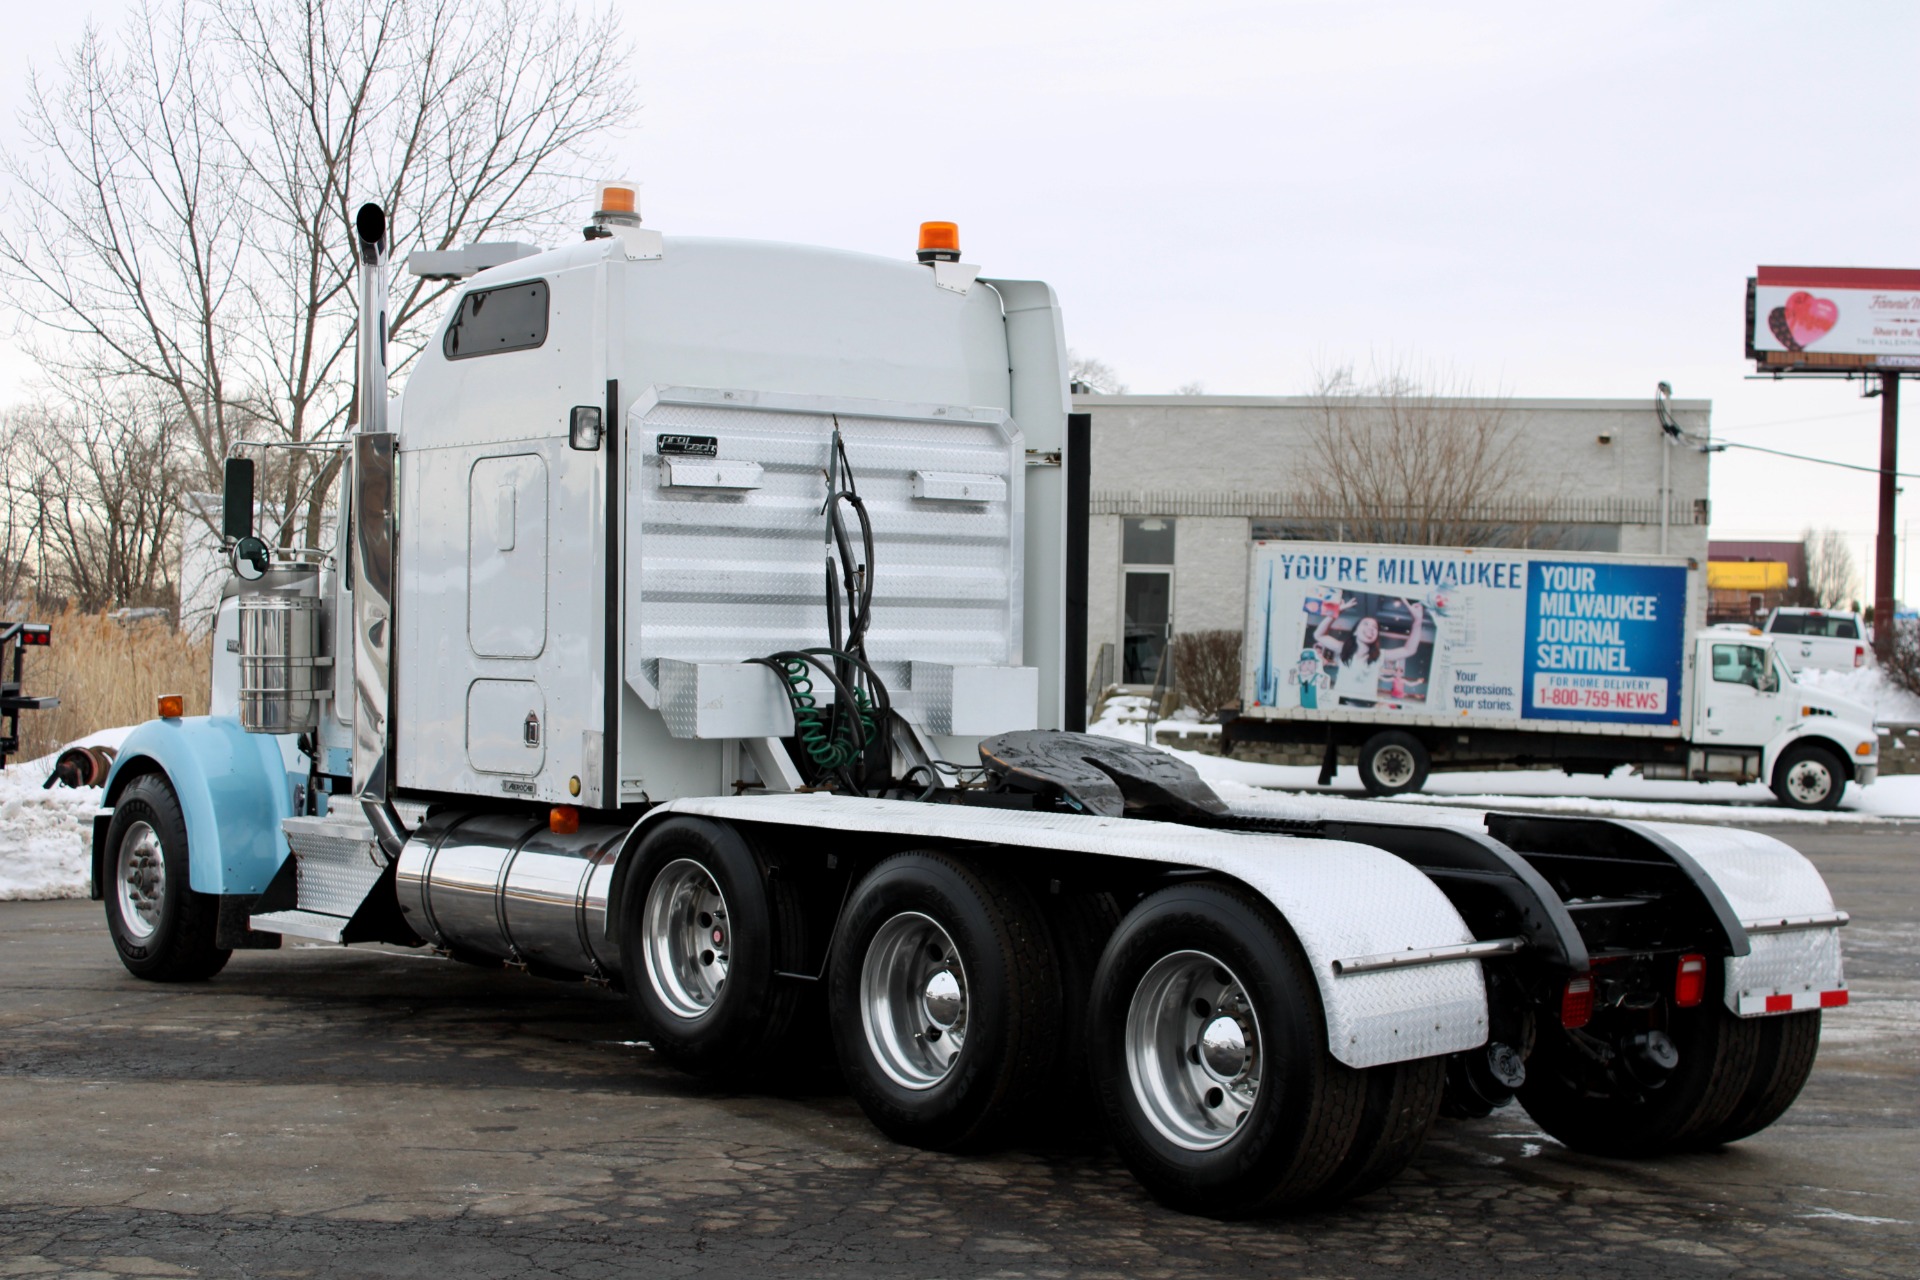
[[46, 833], [1869, 687]]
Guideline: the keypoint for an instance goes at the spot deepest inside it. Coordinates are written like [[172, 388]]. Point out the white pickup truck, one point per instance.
[[1823, 639]]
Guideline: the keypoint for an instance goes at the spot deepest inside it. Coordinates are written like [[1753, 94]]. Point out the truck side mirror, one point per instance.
[[236, 500], [251, 558]]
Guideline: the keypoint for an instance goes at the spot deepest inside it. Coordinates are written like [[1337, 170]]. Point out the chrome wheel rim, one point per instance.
[[1194, 1053], [1393, 766], [141, 879], [913, 1001], [689, 938], [1809, 781]]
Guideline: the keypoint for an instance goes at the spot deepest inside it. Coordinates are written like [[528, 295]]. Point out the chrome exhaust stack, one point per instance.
[[372, 550]]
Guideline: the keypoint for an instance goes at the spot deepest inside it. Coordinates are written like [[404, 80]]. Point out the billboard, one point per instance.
[[1833, 318], [1465, 634]]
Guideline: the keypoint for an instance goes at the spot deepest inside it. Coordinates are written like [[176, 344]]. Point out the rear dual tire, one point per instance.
[[945, 1002], [706, 932], [1208, 1050]]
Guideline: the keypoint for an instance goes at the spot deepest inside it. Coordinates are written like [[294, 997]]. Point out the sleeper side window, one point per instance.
[[512, 317]]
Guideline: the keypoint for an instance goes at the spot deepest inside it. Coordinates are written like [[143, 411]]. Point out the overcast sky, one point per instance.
[[1548, 200]]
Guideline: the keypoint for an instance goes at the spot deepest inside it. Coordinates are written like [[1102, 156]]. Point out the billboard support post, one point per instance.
[[1883, 545]]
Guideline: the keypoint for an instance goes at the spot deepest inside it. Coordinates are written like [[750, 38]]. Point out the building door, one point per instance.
[[1146, 597], [1146, 623]]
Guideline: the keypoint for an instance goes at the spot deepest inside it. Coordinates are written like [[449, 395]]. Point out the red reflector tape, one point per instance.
[[1779, 1004], [1832, 999]]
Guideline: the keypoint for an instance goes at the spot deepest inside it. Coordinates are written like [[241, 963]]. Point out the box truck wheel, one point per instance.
[[1782, 1063], [944, 999], [1393, 763], [1808, 776], [1209, 1055], [1622, 1086], [162, 929], [704, 929]]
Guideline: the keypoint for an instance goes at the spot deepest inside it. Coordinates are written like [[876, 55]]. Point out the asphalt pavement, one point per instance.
[[321, 1112]]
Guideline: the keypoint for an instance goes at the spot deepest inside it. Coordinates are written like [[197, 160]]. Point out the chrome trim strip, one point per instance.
[[1429, 955], [1791, 924]]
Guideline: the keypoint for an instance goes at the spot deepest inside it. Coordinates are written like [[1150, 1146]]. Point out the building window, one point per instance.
[[1146, 597]]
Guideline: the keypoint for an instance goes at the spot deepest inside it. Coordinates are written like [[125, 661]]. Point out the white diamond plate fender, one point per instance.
[[1341, 899], [1787, 911]]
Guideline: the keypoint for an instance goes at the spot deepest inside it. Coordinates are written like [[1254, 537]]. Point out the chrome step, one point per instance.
[[313, 925]]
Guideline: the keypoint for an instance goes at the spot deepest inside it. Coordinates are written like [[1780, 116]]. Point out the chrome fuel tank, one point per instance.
[[507, 887]]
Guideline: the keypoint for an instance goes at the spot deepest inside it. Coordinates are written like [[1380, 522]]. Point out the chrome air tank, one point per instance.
[[507, 887]]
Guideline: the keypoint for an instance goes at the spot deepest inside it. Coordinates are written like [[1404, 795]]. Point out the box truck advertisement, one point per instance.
[[1484, 634]]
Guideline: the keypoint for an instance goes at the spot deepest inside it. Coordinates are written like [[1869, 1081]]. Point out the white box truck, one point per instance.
[[702, 627], [1418, 658]]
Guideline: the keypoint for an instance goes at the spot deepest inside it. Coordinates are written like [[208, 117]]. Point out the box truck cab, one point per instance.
[[1752, 720]]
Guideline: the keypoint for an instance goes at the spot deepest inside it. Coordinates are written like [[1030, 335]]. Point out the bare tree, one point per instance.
[[17, 512], [1832, 580], [1209, 669], [1194, 388], [1399, 459], [181, 215], [1094, 375], [105, 497]]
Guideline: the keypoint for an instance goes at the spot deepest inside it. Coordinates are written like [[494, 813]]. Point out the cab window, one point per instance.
[[489, 321], [1738, 664]]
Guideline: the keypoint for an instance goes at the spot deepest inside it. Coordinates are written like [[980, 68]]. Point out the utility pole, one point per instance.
[[1883, 543]]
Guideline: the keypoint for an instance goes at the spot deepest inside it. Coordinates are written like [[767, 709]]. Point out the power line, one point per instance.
[[1825, 462]]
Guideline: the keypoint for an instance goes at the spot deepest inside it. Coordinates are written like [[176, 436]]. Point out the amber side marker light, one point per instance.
[[563, 820], [171, 706], [1864, 749]]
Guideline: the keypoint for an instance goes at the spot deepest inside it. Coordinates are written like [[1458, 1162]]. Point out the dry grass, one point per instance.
[[107, 674]]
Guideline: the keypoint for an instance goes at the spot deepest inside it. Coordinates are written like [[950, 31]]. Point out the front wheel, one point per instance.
[[1208, 1051], [162, 928], [1809, 777]]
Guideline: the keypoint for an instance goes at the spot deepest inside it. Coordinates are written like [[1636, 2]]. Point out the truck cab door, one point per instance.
[[1742, 701]]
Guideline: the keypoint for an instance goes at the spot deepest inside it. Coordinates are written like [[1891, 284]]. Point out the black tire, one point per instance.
[[1809, 776], [162, 928], [1612, 1115], [1394, 764], [1402, 1103], [1788, 1044], [916, 1086], [728, 1015], [1080, 924], [1286, 1146]]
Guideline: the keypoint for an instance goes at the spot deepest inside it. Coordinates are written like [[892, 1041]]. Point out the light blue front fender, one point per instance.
[[234, 790]]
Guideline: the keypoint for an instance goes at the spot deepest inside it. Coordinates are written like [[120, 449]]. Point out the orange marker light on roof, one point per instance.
[[939, 242], [171, 706], [616, 199]]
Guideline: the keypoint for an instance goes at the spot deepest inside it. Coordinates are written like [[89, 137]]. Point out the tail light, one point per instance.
[[1576, 1002], [1690, 982], [1859, 655], [36, 633]]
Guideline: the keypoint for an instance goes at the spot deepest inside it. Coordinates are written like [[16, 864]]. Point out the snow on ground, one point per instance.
[[1621, 794], [45, 832], [1869, 687]]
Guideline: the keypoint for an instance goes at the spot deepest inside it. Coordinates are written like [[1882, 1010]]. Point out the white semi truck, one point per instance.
[[1413, 658], [705, 625]]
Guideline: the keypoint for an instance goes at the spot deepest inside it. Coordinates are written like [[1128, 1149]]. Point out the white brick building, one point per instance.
[[1181, 485]]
